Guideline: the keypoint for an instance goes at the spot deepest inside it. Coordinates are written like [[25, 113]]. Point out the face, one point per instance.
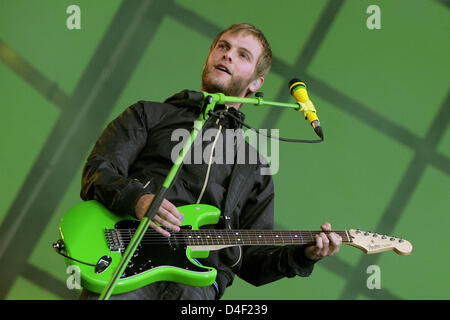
[[231, 64]]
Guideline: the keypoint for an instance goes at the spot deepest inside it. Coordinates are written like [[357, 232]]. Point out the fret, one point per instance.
[[252, 237], [211, 237]]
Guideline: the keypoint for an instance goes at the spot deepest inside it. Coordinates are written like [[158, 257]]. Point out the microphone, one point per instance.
[[297, 88]]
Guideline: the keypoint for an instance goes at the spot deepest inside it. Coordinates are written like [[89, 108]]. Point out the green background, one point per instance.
[[382, 97]]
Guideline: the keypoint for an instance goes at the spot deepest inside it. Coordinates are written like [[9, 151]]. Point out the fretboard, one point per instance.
[[211, 237]]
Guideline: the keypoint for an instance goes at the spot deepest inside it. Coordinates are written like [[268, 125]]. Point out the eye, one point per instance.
[[222, 46], [243, 54]]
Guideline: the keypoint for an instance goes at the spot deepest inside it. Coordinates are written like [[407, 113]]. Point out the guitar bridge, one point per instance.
[[114, 240]]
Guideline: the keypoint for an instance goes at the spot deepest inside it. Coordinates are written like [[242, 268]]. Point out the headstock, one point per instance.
[[374, 243]]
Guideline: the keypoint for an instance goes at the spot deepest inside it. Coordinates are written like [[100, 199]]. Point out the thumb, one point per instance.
[[326, 226]]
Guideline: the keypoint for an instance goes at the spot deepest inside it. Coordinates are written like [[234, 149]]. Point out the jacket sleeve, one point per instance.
[[105, 174], [264, 264]]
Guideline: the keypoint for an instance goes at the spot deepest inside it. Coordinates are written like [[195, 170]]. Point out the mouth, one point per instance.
[[222, 68]]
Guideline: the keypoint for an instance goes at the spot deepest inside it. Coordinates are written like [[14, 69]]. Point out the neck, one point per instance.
[[252, 237]]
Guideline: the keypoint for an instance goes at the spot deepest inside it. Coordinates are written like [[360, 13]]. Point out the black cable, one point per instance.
[[58, 246], [219, 114]]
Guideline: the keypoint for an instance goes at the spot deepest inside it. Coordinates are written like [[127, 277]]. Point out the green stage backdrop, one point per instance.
[[377, 72]]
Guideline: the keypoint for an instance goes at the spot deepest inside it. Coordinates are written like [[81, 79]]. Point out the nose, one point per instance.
[[227, 56]]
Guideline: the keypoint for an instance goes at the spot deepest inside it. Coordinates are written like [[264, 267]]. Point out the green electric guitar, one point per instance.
[[93, 239]]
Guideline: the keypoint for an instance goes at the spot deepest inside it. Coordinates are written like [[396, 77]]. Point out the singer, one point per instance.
[[132, 157]]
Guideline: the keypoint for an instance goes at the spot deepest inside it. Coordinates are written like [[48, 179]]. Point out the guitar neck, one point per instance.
[[212, 237], [215, 239]]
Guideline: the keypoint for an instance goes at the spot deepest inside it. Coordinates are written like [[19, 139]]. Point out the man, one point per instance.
[[133, 156]]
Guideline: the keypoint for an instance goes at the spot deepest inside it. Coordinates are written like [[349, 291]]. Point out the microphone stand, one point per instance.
[[209, 101]]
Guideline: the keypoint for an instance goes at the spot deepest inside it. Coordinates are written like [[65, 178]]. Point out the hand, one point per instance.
[[167, 214], [326, 244]]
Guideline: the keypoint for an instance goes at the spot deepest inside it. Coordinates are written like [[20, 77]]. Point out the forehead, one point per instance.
[[243, 39]]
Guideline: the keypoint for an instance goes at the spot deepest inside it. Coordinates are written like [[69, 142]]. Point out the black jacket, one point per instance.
[[133, 156]]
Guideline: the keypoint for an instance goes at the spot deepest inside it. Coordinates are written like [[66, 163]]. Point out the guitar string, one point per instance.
[[217, 234], [284, 233], [225, 237]]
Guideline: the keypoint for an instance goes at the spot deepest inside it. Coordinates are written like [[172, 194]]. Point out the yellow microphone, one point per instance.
[[297, 88]]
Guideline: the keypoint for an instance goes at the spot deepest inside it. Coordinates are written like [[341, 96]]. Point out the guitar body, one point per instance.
[[90, 234]]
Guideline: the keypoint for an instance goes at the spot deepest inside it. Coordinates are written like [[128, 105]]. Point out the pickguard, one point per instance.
[[171, 253]]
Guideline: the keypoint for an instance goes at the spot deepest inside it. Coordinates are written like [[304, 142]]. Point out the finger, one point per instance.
[[166, 223], [336, 243], [157, 228], [322, 245], [325, 240], [319, 242], [169, 206], [168, 216], [322, 238]]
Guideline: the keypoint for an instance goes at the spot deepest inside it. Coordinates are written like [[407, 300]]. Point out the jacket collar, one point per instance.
[[189, 99]]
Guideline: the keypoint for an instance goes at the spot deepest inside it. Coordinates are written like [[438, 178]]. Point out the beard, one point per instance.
[[234, 86]]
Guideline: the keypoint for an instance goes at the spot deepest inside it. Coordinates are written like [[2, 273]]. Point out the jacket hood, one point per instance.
[[187, 99]]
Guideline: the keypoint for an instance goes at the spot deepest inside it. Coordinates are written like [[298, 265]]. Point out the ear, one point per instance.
[[256, 84]]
